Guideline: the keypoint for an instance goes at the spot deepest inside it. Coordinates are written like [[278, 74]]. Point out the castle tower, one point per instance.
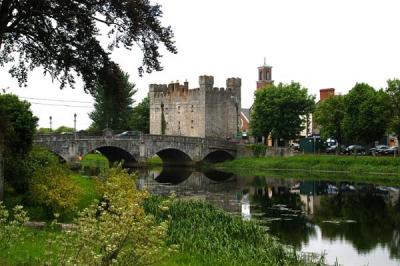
[[264, 76]]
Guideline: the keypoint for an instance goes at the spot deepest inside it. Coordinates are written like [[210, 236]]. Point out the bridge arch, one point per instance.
[[172, 156], [218, 156], [116, 154]]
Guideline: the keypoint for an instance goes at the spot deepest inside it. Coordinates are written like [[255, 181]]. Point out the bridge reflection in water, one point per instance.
[[357, 223]]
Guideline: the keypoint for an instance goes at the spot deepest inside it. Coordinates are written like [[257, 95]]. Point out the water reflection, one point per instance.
[[357, 223]]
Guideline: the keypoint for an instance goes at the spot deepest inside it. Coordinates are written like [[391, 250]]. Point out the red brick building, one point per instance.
[[264, 77]]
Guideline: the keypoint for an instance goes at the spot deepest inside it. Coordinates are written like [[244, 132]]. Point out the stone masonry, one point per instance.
[[206, 111]]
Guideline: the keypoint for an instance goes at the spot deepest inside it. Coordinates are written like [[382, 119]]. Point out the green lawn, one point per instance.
[[95, 160], [362, 168], [32, 248], [89, 190]]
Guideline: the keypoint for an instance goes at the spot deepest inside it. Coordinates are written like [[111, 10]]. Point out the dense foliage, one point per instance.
[[140, 119], [393, 90], [329, 116], [21, 124], [115, 230], [280, 111], [16, 136], [52, 188], [113, 100], [62, 36], [367, 114], [44, 187]]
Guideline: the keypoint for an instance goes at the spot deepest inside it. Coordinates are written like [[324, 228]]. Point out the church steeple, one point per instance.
[[264, 76]]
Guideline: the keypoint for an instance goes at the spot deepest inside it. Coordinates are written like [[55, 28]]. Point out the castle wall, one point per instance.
[[201, 112]]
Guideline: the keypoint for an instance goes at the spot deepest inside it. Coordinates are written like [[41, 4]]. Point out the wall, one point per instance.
[[180, 106], [202, 112]]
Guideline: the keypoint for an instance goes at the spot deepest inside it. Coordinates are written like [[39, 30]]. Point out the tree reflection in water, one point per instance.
[[377, 220]]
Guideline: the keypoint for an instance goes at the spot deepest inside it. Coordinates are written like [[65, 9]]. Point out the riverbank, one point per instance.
[[361, 168], [197, 233], [201, 234]]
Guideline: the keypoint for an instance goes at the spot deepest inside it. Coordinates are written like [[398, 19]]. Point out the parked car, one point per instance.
[[128, 134], [332, 149], [295, 146], [354, 149], [392, 150], [379, 149]]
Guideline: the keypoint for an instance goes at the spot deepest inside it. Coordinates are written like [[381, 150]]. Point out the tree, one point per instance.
[[62, 129], [113, 100], [17, 126], [393, 90], [140, 119], [280, 111], [61, 36], [329, 115], [43, 130], [19, 123], [367, 114]]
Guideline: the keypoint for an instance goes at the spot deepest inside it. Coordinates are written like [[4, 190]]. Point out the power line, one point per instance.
[[54, 100], [63, 105]]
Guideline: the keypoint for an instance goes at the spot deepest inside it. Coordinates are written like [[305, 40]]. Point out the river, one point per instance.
[[351, 223]]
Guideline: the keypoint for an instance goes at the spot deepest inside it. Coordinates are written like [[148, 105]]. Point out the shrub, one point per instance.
[[258, 149], [52, 188], [116, 230]]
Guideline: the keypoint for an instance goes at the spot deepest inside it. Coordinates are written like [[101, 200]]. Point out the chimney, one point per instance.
[[326, 93]]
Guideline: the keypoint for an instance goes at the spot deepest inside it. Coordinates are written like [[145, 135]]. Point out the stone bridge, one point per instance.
[[173, 150]]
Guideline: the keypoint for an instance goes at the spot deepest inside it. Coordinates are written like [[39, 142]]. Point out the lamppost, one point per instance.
[[75, 125], [51, 120], [235, 98]]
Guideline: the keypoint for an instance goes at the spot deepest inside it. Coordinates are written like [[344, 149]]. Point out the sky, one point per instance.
[[319, 43]]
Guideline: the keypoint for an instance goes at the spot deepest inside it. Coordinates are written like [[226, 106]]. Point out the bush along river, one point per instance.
[[352, 223]]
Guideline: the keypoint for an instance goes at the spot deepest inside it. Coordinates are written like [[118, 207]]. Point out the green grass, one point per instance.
[[30, 250], [350, 167], [89, 191], [95, 160], [155, 160], [207, 235]]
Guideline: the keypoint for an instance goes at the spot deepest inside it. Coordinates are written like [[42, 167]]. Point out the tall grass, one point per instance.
[[207, 235]]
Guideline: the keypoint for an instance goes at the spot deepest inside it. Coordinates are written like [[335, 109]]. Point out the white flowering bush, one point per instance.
[[114, 230], [10, 227]]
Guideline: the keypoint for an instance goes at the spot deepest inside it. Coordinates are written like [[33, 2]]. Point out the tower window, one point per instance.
[[260, 75], [192, 124], [192, 108], [179, 109]]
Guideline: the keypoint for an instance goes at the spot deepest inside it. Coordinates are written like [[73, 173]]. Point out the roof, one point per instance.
[[246, 113]]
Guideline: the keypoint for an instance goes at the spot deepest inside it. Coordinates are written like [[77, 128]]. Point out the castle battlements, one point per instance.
[[206, 84], [204, 111]]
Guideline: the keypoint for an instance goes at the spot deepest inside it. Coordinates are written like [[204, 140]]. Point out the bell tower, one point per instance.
[[264, 76]]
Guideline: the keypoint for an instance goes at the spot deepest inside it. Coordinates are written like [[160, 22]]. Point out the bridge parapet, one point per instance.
[[140, 147]]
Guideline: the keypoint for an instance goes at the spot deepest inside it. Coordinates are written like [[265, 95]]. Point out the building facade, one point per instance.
[[264, 77], [205, 111]]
